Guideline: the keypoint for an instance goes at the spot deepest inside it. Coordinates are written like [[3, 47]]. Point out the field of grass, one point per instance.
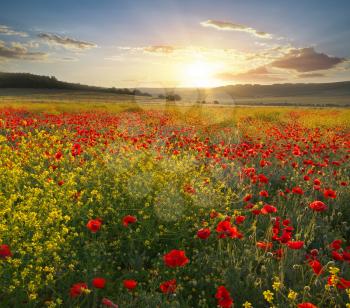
[[172, 205]]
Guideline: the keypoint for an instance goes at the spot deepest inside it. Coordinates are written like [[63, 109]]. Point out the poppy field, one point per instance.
[[174, 207]]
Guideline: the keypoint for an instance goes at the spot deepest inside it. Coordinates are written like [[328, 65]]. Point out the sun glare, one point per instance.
[[200, 74]]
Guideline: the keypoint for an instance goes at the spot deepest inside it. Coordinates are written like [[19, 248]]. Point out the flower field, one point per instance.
[[174, 207]]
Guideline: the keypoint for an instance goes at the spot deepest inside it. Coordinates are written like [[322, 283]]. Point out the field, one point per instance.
[[169, 205]]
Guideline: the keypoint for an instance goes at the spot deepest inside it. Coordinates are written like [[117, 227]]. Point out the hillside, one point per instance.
[[31, 81]]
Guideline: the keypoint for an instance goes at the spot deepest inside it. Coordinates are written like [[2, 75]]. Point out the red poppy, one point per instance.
[[130, 284], [295, 244], [340, 283], [203, 233], [306, 305], [318, 206], [77, 289], [336, 244], [264, 193], [267, 209], [129, 220], [107, 302], [264, 245], [168, 287], [297, 190], [247, 198], [5, 251], [224, 298], [99, 283], [329, 193], [337, 256], [239, 219], [94, 225], [317, 182], [316, 266], [224, 229], [175, 258]]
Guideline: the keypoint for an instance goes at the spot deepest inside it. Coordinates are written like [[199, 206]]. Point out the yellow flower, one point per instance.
[[292, 295], [333, 270], [268, 295], [247, 305], [276, 285]]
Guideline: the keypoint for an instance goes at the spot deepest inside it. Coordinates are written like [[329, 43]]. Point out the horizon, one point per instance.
[[177, 44]]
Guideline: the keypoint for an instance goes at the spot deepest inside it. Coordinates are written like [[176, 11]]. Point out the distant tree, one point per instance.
[[173, 97]]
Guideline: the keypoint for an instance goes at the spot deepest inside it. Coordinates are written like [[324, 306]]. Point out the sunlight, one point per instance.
[[200, 74]]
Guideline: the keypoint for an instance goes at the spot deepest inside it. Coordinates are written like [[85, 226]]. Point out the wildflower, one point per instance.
[[264, 193], [129, 220], [5, 251], [175, 258], [77, 289], [107, 302], [264, 245], [336, 244], [295, 244], [292, 295], [318, 206], [247, 304], [329, 193], [94, 225], [99, 283], [276, 285], [239, 219], [130, 284], [306, 305], [297, 190], [268, 209], [203, 233], [168, 286], [224, 298], [268, 295], [316, 266]]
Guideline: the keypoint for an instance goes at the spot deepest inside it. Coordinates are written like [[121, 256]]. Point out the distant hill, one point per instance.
[[31, 81], [287, 90]]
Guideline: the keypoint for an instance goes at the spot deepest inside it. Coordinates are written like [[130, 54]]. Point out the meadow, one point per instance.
[[173, 205]]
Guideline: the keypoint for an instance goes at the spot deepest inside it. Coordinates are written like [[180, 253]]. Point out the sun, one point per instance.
[[200, 74]]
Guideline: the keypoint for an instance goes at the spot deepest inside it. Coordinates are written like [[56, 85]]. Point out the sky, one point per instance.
[[177, 43]]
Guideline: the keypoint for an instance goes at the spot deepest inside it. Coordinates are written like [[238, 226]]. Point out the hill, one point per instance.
[[31, 81]]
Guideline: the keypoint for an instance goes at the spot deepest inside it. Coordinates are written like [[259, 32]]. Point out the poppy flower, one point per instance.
[[168, 287], [239, 219], [297, 190], [99, 283], [295, 244], [318, 206], [264, 245], [247, 198], [108, 303], [317, 182], [130, 284], [175, 258], [337, 256], [329, 193], [306, 305], [5, 251], [203, 233], [339, 282], [77, 289], [223, 297], [94, 225], [267, 209], [264, 193], [224, 229], [316, 266], [129, 220], [336, 244]]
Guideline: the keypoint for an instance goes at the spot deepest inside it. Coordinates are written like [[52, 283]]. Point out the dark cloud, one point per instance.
[[6, 30], [18, 51], [306, 60], [229, 26], [260, 74], [66, 42]]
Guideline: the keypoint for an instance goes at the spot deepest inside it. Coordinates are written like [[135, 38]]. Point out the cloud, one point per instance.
[[229, 26], [261, 74], [66, 42], [306, 60], [164, 49], [19, 51], [6, 30], [311, 75]]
